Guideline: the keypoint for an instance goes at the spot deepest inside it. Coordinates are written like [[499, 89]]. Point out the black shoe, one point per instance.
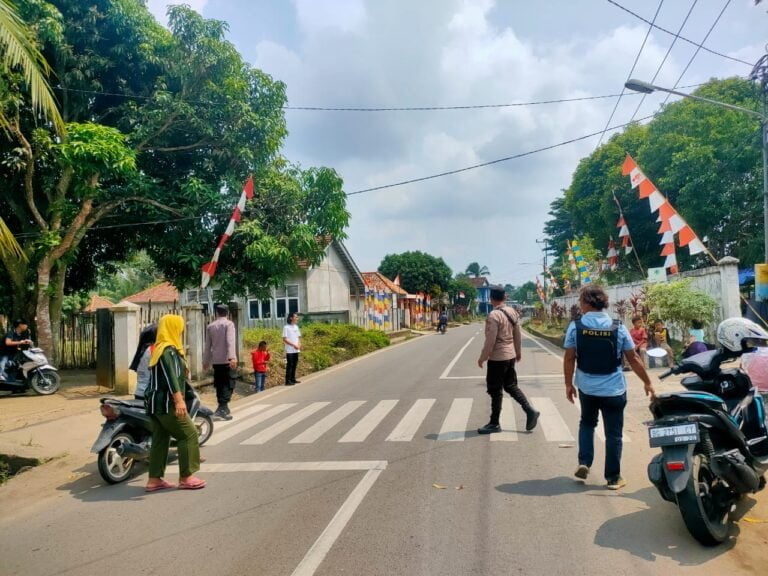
[[489, 428], [222, 414], [532, 420], [289, 383]]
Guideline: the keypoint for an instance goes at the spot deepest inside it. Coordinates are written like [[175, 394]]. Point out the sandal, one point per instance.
[[192, 484], [161, 486]]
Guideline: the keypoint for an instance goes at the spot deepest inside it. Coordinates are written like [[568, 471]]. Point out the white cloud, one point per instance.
[[160, 7]]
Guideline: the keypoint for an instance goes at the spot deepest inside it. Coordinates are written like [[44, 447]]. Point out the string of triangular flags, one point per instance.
[[209, 269], [540, 291], [626, 237], [671, 222], [613, 255]]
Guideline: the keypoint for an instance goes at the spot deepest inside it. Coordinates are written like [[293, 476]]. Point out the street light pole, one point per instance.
[[759, 72], [544, 274]]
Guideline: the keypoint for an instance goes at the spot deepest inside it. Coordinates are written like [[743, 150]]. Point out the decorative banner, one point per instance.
[[540, 292], [572, 260], [581, 264], [209, 269], [626, 238], [671, 222]]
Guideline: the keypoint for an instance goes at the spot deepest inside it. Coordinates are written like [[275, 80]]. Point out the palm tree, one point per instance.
[[475, 270], [18, 51]]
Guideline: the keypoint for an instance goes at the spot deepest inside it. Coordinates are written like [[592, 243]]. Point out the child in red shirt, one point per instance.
[[640, 337], [260, 357]]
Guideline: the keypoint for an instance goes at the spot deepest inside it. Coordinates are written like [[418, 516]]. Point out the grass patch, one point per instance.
[[11, 465], [322, 346]]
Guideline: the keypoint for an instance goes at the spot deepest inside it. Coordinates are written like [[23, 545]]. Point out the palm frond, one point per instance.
[[8, 244], [16, 49]]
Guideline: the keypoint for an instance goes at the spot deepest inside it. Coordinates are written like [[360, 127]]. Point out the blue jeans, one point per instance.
[[261, 378], [3, 362], [612, 409]]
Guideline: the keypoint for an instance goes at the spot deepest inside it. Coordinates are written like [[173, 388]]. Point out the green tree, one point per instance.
[[419, 272], [526, 293], [475, 270], [162, 126], [138, 272], [678, 304]]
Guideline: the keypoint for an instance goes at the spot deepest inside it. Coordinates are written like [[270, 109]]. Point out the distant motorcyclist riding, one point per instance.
[[23, 367], [442, 323]]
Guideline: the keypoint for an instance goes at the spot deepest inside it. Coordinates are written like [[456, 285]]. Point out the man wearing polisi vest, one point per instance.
[[594, 345], [502, 348]]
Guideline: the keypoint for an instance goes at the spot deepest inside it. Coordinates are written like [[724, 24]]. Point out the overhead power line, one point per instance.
[[663, 61], [683, 38], [491, 162], [634, 64], [728, 2]]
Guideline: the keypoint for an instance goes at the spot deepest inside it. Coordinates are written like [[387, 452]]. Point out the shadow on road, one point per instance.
[[547, 487], [90, 487]]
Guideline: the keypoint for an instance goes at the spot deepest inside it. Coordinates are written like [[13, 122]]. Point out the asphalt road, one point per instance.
[[375, 468]]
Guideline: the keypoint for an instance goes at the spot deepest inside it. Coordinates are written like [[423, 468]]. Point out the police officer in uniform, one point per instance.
[[594, 345]]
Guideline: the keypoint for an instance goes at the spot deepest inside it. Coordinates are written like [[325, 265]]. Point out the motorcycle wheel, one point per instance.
[[113, 467], [45, 382], [705, 504], [204, 425]]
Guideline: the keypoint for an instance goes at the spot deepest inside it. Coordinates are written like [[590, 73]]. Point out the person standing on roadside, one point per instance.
[[594, 345], [165, 400], [220, 352], [502, 348], [292, 341]]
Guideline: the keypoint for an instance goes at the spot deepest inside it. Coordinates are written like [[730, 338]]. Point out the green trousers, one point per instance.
[[165, 426]]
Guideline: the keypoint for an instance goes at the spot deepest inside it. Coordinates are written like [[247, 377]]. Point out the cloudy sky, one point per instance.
[[437, 53]]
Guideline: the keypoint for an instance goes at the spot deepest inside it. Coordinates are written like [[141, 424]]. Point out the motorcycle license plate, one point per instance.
[[672, 435]]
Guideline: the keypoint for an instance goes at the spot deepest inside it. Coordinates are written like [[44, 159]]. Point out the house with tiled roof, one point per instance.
[[329, 292], [385, 304], [155, 301], [97, 303], [483, 302]]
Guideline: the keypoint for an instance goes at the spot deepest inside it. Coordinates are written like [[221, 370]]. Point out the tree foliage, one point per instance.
[[476, 270], [679, 304], [419, 272], [704, 158]]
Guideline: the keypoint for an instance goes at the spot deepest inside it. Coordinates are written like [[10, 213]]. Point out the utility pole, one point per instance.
[[544, 275]]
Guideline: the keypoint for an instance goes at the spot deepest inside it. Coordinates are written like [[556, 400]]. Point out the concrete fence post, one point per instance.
[[729, 287], [126, 337], [195, 330]]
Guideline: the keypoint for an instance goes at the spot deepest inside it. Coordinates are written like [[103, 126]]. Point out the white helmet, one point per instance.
[[732, 332]]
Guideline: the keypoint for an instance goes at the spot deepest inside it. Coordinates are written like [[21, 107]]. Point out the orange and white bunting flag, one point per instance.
[[671, 222]]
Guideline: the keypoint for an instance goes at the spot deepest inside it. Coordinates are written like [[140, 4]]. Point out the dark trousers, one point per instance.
[[612, 409], [291, 361], [501, 376], [224, 379]]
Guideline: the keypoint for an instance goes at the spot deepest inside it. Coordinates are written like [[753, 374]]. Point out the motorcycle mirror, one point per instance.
[[656, 352]]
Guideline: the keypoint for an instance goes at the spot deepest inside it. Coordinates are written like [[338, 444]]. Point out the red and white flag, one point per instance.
[[209, 268]]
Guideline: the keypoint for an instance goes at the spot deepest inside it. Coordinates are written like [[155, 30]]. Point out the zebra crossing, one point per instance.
[[354, 421]]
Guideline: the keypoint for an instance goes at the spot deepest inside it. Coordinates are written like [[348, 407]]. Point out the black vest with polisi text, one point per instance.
[[597, 349]]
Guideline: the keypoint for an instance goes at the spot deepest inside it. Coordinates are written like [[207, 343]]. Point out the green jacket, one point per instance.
[[168, 376]]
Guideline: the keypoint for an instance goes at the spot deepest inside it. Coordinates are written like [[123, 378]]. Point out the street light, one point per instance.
[[647, 88]]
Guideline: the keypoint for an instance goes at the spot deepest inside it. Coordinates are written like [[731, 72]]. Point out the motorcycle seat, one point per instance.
[[132, 403]]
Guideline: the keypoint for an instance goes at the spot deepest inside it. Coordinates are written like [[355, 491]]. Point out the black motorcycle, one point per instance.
[[126, 436], [714, 443], [30, 369]]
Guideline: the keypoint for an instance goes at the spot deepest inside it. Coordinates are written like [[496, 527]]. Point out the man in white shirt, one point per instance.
[[292, 341]]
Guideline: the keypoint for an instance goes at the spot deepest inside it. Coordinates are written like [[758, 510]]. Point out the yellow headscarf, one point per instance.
[[169, 330]]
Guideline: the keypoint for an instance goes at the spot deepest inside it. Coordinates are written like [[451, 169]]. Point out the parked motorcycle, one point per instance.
[[30, 369], [713, 436], [126, 435]]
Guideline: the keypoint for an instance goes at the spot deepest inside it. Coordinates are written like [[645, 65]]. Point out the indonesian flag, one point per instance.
[[461, 294], [209, 268], [396, 281], [613, 255]]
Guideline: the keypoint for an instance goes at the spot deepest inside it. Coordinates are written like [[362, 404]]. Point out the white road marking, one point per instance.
[[267, 434], [455, 424], [243, 425], [452, 363], [240, 415], [312, 560], [507, 421], [368, 423], [540, 345], [525, 377], [555, 428], [409, 425], [314, 432], [319, 550]]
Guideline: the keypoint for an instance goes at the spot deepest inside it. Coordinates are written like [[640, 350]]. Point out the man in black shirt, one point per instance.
[[15, 338]]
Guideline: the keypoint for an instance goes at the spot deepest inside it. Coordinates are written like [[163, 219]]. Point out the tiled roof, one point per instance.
[[479, 282], [97, 302], [380, 283], [164, 292]]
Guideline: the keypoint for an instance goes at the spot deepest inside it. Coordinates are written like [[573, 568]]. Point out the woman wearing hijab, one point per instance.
[[140, 363], [164, 399]]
